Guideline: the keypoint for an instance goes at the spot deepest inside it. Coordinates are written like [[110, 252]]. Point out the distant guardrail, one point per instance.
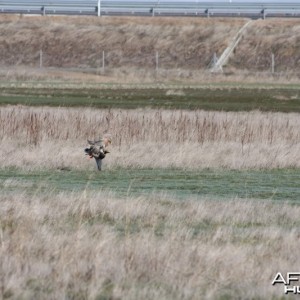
[[151, 8]]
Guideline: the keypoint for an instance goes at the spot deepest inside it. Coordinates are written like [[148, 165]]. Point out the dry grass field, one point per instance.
[[36, 138], [97, 246], [65, 233]]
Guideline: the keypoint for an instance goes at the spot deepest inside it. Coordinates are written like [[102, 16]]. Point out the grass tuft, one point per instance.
[[127, 249]]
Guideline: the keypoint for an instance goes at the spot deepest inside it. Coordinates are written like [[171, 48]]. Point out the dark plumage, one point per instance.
[[97, 150]]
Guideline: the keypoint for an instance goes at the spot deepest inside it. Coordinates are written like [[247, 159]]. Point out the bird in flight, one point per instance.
[[98, 149]]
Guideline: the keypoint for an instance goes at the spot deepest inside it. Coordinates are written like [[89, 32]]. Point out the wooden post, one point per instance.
[[215, 59], [41, 58], [273, 63], [103, 62], [156, 60]]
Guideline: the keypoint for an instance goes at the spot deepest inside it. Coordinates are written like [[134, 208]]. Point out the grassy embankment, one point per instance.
[[184, 45]]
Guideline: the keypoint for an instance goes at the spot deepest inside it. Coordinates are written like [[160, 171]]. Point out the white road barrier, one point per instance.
[[153, 8]]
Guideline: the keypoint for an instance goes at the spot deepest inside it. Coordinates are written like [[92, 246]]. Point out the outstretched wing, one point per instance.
[[92, 143], [99, 163]]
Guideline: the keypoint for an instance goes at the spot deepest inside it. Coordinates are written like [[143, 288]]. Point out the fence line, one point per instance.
[[159, 61]]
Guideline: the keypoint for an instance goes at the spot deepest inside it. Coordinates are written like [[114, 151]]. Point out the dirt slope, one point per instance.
[[278, 36], [187, 43]]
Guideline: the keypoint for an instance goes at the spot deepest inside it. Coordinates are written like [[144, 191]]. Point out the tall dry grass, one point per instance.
[[96, 246], [55, 137]]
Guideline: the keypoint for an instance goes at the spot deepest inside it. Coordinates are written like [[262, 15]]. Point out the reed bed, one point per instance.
[[36, 124], [55, 137], [97, 246]]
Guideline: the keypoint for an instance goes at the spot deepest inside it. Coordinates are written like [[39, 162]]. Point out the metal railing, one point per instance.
[[151, 8]]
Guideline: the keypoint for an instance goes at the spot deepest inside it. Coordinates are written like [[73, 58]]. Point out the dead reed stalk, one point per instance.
[[210, 139]]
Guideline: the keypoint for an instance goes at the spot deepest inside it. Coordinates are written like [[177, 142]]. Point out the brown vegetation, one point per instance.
[[79, 42], [131, 42], [97, 246], [280, 37], [55, 137]]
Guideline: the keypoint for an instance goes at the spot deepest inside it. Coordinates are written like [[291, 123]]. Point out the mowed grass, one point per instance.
[[227, 98], [180, 184]]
